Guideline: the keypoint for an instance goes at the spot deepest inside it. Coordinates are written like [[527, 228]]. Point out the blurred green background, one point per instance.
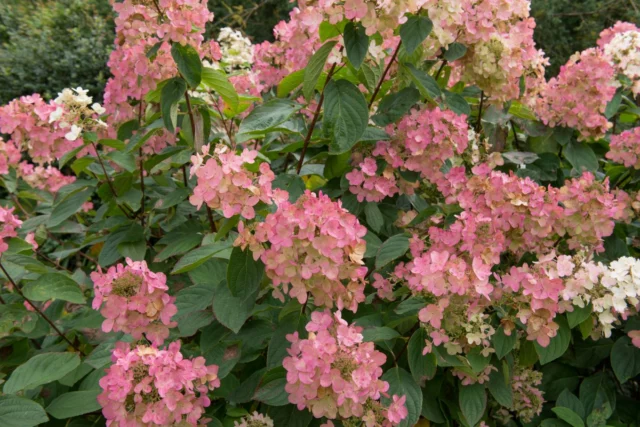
[[47, 45]]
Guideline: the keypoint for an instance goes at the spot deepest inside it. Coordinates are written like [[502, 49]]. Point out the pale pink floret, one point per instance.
[[146, 386], [335, 374], [134, 299]]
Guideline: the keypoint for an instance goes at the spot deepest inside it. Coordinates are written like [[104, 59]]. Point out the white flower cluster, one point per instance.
[[255, 420], [613, 290], [237, 50], [624, 51], [73, 112]]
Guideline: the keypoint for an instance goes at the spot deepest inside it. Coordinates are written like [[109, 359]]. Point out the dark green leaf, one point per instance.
[[395, 247], [346, 115], [266, 118], [558, 345], [625, 359], [68, 206], [422, 367], [74, 403], [401, 383], [200, 255], [171, 94], [356, 42], [426, 84], [314, 68], [568, 416], [455, 51], [41, 369], [54, 286], [503, 343], [243, 273], [581, 156], [473, 401], [188, 61], [20, 412], [393, 106], [414, 31]]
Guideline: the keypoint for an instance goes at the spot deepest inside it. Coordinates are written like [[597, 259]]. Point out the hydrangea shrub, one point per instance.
[[386, 217]]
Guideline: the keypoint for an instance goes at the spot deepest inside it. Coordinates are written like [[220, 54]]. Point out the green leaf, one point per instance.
[[219, 82], [455, 51], [558, 345], [293, 184], [597, 392], [188, 62], [426, 84], [422, 367], [457, 104], [393, 248], [113, 143], [200, 255], [625, 359], [414, 31], [289, 83], [581, 156], [503, 343], [500, 386], [68, 206], [401, 383], [290, 416], [379, 333], [579, 315], [314, 68], [266, 118], [394, 106], [568, 416], [54, 286], [232, 311], [243, 273], [279, 344], [194, 298], [374, 216], [41, 369], [473, 401], [74, 403], [177, 242], [571, 401], [171, 94], [19, 412], [357, 43], [272, 393], [346, 115]]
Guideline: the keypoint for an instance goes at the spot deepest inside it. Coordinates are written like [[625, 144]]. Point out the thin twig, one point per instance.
[[384, 74], [479, 121], [444, 62], [110, 184], [44, 316], [316, 114]]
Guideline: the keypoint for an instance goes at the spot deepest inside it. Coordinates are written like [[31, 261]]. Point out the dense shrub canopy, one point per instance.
[[386, 216]]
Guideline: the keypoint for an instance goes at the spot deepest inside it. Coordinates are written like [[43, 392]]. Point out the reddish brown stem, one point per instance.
[[384, 74]]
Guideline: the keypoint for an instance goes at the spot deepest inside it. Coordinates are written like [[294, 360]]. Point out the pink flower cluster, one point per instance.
[[134, 299], [335, 374], [27, 120], [313, 245], [146, 386], [503, 214], [143, 26], [625, 148], [8, 225], [49, 179], [9, 156], [225, 182], [578, 96], [422, 142]]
